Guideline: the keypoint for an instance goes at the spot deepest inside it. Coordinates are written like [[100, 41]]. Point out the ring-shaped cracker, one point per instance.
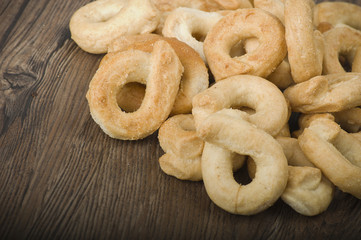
[[304, 44], [160, 71], [96, 24], [195, 76], [183, 149], [308, 192], [328, 93], [345, 41], [337, 12], [244, 91], [240, 25], [225, 132], [178, 135], [335, 152]]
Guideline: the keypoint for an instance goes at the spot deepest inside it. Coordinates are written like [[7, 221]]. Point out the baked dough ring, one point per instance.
[[329, 93], [96, 24], [160, 71], [244, 91], [239, 25], [341, 40], [226, 132], [183, 149], [190, 26], [307, 191], [304, 44], [178, 134], [178, 138], [337, 12], [195, 76], [335, 152]]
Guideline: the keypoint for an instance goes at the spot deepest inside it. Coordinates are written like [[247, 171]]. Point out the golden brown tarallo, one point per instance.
[[336, 152], [225, 132], [308, 192], [329, 93], [304, 44], [194, 78], [240, 25], [96, 24], [244, 92], [183, 149], [342, 41], [160, 71]]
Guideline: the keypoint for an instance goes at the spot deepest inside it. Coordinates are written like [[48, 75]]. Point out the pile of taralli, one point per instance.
[[220, 81]]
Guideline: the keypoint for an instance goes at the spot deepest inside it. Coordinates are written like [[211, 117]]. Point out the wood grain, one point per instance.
[[61, 177]]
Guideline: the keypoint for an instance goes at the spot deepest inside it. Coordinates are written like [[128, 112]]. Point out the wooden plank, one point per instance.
[[62, 177]]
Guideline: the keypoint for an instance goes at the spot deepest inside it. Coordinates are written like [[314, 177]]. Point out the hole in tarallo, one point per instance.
[[130, 96], [345, 62], [243, 47], [199, 36], [241, 176]]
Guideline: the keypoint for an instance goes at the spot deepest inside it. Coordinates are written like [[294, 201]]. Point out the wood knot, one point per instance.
[[18, 79]]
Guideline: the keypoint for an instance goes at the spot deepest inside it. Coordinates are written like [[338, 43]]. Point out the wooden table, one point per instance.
[[62, 177]]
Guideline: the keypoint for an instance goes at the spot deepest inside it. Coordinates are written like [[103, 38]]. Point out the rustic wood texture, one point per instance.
[[62, 177]]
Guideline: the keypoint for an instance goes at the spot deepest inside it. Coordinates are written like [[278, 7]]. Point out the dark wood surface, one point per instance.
[[62, 177]]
